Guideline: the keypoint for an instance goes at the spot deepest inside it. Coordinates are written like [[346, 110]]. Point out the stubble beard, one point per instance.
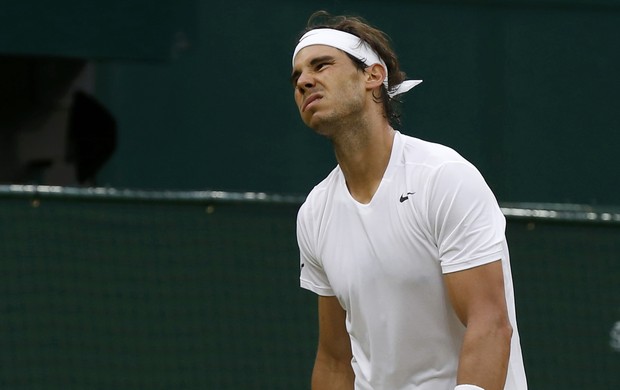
[[340, 123]]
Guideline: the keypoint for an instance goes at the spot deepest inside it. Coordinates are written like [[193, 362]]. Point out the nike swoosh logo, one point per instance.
[[405, 196]]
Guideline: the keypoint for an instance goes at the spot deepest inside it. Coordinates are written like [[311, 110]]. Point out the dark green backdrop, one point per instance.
[[177, 292], [106, 292], [527, 90]]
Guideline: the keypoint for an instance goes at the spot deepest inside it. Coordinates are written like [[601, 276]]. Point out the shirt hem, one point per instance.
[[316, 289], [472, 263]]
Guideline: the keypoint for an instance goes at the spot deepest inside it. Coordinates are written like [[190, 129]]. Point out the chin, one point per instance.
[[324, 131], [320, 125], [310, 121], [314, 124]]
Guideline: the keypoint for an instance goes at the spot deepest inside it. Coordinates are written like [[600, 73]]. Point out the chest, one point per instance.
[[382, 246]]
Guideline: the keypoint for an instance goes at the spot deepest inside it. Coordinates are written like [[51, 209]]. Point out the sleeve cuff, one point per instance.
[[468, 387]]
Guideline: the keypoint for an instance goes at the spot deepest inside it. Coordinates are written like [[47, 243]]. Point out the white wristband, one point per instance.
[[468, 387]]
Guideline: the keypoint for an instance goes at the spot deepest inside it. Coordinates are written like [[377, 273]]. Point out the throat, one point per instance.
[[363, 161], [363, 175]]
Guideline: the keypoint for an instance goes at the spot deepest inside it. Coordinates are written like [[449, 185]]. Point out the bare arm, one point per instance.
[[332, 367], [477, 295]]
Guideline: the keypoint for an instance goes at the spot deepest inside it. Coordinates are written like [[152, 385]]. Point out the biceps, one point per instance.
[[477, 294], [333, 336]]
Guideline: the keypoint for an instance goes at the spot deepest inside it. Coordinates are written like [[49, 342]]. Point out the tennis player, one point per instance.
[[403, 242]]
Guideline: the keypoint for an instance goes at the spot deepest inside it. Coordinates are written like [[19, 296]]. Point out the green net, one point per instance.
[[200, 291], [567, 278], [108, 294]]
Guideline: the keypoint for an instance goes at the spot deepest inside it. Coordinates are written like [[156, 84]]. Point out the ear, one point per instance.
[[375, 74]]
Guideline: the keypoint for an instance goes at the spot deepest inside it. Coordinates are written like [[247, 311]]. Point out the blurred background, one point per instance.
[[152, 161]]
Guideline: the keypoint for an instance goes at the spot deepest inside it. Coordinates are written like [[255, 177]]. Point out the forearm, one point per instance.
[[484, 356], [332, 375]]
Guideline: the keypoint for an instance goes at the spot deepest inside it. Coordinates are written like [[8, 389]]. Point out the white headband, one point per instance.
[[355, 46]]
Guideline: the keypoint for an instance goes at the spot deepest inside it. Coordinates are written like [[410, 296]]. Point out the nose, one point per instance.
[[304, 82]]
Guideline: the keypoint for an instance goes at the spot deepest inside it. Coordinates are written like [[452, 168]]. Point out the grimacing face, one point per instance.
[[328, 86]]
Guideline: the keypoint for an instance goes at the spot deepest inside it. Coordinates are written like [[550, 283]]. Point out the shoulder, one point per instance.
[[439, 168], [318, 197], [430, 161], [431, 154]]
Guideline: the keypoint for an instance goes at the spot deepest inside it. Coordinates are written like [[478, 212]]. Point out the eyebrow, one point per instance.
[[313, 62]]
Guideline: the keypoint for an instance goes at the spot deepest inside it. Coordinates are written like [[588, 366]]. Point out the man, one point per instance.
[[403, 241]]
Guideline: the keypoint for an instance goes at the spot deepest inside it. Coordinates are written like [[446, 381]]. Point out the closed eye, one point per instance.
[[323, 64], [316, 64], [320, 66]]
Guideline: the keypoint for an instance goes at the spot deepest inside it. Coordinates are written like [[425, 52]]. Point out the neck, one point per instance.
[[363, 155]]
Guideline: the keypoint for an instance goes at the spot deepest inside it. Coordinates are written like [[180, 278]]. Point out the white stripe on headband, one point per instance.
[[356, 47]]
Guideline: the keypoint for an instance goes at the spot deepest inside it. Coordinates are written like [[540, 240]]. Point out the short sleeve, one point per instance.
[[467, 223], [312, 276]]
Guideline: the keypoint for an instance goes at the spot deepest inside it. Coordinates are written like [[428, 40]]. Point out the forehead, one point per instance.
[[308, 53]]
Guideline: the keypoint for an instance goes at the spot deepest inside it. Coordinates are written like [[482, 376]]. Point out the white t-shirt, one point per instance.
[[433, 213]]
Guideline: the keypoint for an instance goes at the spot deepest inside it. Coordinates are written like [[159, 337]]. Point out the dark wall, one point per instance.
[[102, 29], [52, 129], [526, 90]]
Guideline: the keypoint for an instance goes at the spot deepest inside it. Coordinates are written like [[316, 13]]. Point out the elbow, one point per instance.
[[498, 329], [503, 330], [506, 331]]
